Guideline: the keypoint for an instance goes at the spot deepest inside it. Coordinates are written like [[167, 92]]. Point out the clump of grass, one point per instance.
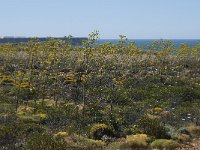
[[61, 134], [22, 110]]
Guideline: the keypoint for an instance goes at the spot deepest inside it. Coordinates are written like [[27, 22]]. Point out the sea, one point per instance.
[[146, 42], [78, 40]]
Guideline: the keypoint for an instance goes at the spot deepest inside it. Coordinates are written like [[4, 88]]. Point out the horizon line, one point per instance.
[[1, 37]]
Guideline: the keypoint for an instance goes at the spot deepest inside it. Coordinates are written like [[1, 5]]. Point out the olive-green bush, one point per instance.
[[98, 130], [45, 142], [152, 126], [136, 141], [165, 144], [7, 135]]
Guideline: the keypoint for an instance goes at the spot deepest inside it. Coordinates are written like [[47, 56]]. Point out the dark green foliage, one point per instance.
[[56, 118], [184, 130], [7, 135], [29, 129], [27, 93], [7, 118], [15, 133], [152, 127], [97, 131], [45, 142], [190, 94]]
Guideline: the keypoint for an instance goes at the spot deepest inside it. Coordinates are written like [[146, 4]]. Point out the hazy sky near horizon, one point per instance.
[[137, 19]]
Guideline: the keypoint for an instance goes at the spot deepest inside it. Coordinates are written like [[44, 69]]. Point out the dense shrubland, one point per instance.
[[57, 96]]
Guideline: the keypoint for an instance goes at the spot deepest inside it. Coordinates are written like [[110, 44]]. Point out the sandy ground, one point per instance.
[[195, 145]]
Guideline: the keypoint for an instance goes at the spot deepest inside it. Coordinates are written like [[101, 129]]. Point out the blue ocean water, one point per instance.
[[145, 42]]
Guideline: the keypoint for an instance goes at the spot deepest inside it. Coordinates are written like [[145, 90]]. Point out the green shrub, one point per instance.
[[45, 142], [132, 130], [99, 130], [78, 142], [26, 115], [72, 140], [184, 130], [58, 117], [171, 131], [151, 126], [115, 145], [189, 94], [27, 93], [16, 133], [165, 144], [183, 138], [7, 135], [136, 141], [28, 129], [7, 108], [90, 144], [194, 130]]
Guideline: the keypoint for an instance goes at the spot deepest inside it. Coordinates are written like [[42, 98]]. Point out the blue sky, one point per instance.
[[137, 19]]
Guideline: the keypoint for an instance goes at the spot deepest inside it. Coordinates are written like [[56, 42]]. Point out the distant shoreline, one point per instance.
[[14, 40]]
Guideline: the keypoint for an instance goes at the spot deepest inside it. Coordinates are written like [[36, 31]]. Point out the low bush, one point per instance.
[[7, 135], [7, 118], [132, 130], [184, 130], [90, 144], [32, 118], [194, 130], [57, 118], [45, 142], [183, 138], [136, 141], [165, 144], [99, 130], [78, 142], [26, 115], [152, 126], [115, 145], [22, 110], [28, 129], [61, 134]]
